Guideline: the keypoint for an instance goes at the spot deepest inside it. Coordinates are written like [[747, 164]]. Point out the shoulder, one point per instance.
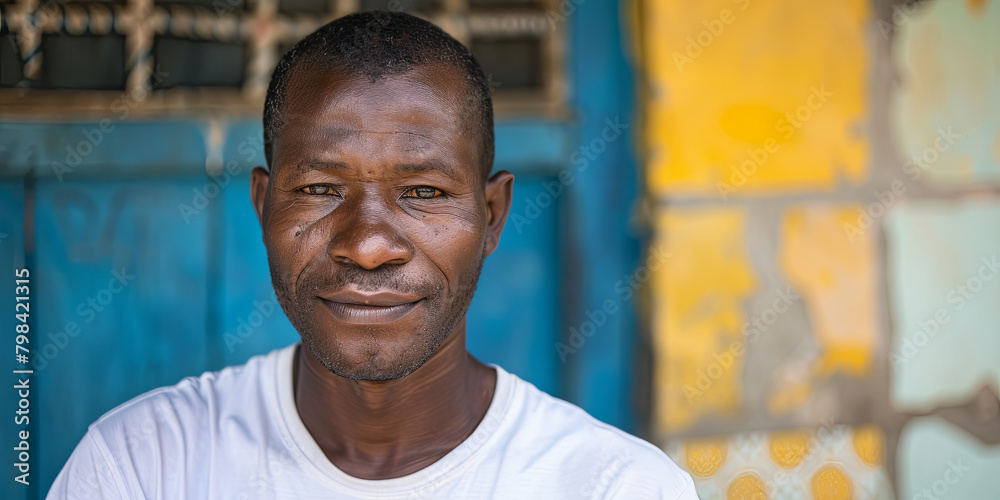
[[193, 404], [616, 464], [142, 447]]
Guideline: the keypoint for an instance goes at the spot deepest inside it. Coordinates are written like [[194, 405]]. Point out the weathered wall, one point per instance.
[[825, 177]]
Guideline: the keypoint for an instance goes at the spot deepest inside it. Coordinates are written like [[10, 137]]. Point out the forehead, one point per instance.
[[419, 113]]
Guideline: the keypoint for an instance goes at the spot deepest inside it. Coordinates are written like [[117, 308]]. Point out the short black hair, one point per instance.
[[378, 44]]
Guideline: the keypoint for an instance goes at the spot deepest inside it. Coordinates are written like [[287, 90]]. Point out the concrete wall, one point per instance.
[[825, 177]]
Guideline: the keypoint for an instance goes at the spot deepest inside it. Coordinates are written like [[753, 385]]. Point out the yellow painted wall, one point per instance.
[[752, 96], [825, 177], [698, 314], [832, 265]]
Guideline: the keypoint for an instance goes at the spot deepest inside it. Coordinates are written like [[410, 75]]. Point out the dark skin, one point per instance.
[[376, 216]]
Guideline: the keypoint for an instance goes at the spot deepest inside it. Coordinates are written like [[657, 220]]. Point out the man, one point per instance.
[[377, 214]]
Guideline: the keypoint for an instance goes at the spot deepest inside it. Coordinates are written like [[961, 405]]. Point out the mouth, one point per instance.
[[355, 307]]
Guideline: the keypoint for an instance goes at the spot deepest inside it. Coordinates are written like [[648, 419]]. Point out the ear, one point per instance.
[[259, 180], [499, 195]]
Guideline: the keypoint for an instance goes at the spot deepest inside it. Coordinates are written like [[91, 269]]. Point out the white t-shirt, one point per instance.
[[236, 434]]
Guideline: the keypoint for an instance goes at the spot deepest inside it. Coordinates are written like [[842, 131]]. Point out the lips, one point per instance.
[[352, 306]]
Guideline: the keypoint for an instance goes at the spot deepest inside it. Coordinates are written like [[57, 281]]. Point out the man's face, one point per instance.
[[377, 217]]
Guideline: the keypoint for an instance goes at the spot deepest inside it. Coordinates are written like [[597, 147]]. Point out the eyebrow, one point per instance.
[[430, 165], [426, 166], [307, 165]]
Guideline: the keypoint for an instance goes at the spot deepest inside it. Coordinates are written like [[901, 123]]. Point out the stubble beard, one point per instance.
[[381, 362]]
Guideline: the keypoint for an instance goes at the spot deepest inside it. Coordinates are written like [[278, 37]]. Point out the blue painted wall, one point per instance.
[[138, 281]]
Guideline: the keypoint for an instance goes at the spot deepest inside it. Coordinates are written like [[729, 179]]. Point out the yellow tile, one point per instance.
[[830, 262], [775, 88], [747, 486], [832, 483], [789, 463], [704, 457], [789, 448], [698, 314], [869, 444]]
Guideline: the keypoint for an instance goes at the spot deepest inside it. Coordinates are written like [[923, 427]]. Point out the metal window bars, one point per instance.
[[264, 30]]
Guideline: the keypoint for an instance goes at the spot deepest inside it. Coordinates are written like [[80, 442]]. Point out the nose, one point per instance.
[[368, 237]]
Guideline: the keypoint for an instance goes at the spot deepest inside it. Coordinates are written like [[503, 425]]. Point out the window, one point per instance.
[[203, 54]]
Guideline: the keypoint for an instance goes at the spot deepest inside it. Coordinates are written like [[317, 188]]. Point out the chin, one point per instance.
[[370, 356]]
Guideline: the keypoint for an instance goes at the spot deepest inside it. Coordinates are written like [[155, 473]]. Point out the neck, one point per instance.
[[391, 428]]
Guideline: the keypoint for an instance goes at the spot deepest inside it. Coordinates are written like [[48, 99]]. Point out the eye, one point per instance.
[[423, 192], [319, 189]]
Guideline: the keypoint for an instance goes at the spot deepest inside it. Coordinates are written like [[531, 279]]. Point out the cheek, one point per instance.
[[295, 236], [453, 244], [451, 217]]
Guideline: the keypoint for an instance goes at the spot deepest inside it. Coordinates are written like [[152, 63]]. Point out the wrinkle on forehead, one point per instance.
[[392, 132], [341, 132], [420, 113], [323, 91]]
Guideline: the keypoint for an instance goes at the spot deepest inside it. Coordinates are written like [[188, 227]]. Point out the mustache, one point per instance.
[[382, 278]]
